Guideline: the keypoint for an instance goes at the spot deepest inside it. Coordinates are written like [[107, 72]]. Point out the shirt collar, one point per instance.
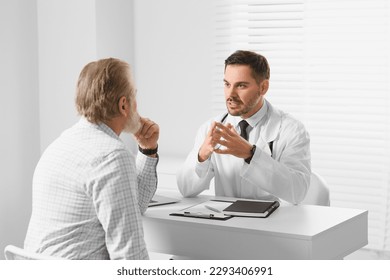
[[101, 126], [256, 118]]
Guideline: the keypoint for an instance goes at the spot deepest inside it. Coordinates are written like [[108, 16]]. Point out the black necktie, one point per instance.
[[243, 125]]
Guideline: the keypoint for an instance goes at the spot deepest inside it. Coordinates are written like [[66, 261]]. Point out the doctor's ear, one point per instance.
[[264, 85]]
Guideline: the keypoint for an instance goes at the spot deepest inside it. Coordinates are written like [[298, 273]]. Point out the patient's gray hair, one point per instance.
[[100, 86]]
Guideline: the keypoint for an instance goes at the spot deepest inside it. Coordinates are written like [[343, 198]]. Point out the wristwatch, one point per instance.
[[253, 150], [148, 152]]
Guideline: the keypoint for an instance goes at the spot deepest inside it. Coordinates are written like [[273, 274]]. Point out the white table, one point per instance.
[[291, 232]]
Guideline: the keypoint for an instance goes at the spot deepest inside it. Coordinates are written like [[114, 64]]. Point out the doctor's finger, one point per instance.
[[222, 142], [223, 151], [212, 128], [232, 129], [229, 130], [225, 133]]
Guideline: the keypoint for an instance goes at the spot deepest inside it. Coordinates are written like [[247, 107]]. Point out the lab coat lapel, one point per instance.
[[270, 130]]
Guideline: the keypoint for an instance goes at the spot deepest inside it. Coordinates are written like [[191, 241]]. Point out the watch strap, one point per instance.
[[253, 150], [148, 152]]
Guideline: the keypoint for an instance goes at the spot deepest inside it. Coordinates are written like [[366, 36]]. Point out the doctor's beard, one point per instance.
[[236, 107]]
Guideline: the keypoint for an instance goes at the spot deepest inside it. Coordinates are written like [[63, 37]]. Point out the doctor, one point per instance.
[[268, 157]]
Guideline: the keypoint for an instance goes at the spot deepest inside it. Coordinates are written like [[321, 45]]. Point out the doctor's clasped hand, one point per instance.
[[224, 139]]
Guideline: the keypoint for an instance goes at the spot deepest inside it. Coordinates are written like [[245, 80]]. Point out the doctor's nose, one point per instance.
[[230, 92]]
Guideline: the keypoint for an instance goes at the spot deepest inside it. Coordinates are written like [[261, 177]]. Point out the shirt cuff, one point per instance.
[[201, 168], [146, 160]]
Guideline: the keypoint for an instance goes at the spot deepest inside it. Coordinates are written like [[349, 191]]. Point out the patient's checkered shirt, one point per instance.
[[88, 196]]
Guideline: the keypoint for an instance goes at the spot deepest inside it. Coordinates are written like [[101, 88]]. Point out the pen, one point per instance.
[[198, 215], [213, 209]]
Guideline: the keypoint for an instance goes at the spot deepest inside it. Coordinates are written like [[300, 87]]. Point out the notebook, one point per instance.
[[161, 200], [250, 208]]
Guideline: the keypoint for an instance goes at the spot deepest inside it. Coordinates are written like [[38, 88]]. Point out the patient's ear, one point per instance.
[[123, 106]]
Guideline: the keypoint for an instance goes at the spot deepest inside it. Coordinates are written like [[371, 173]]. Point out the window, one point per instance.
[[330, 68]]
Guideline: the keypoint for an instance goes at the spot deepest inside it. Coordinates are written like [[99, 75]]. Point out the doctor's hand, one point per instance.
[[234, 144], [208, 145]]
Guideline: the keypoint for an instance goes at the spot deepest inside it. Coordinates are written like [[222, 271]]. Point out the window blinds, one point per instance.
[[330, 68]]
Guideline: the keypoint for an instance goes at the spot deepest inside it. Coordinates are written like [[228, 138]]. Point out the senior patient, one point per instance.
[[254, 150], [89, 190]]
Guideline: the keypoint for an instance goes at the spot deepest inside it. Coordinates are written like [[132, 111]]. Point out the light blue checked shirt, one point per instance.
[[89, 192]]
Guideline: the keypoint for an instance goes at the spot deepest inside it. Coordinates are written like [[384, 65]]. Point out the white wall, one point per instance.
[[67, 41], [173, 50], [19, 141], [115, 29]]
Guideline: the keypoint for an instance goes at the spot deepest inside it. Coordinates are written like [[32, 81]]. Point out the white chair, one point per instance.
[[318, 193], [12, 252]]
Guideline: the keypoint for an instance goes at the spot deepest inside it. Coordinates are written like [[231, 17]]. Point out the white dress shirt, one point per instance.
[[88, 196], [283, 175]]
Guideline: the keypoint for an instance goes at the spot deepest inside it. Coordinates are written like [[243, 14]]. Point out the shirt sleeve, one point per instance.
[[194, 176], [287, 174], [146, 179], [114, 191]]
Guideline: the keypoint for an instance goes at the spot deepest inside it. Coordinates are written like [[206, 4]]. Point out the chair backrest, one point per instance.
[[318, 193], [12, 252]]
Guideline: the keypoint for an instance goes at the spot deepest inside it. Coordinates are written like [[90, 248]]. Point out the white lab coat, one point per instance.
[[285, 175]]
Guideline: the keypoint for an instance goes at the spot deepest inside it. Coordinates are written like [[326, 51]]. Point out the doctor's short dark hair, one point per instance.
[[100, 86], [257, 62]]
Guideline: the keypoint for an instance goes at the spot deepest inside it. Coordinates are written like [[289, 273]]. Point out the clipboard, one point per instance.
[[212, 210]]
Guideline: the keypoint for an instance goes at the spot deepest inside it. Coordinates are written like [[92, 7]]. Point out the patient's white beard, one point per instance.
[[133, 123]]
